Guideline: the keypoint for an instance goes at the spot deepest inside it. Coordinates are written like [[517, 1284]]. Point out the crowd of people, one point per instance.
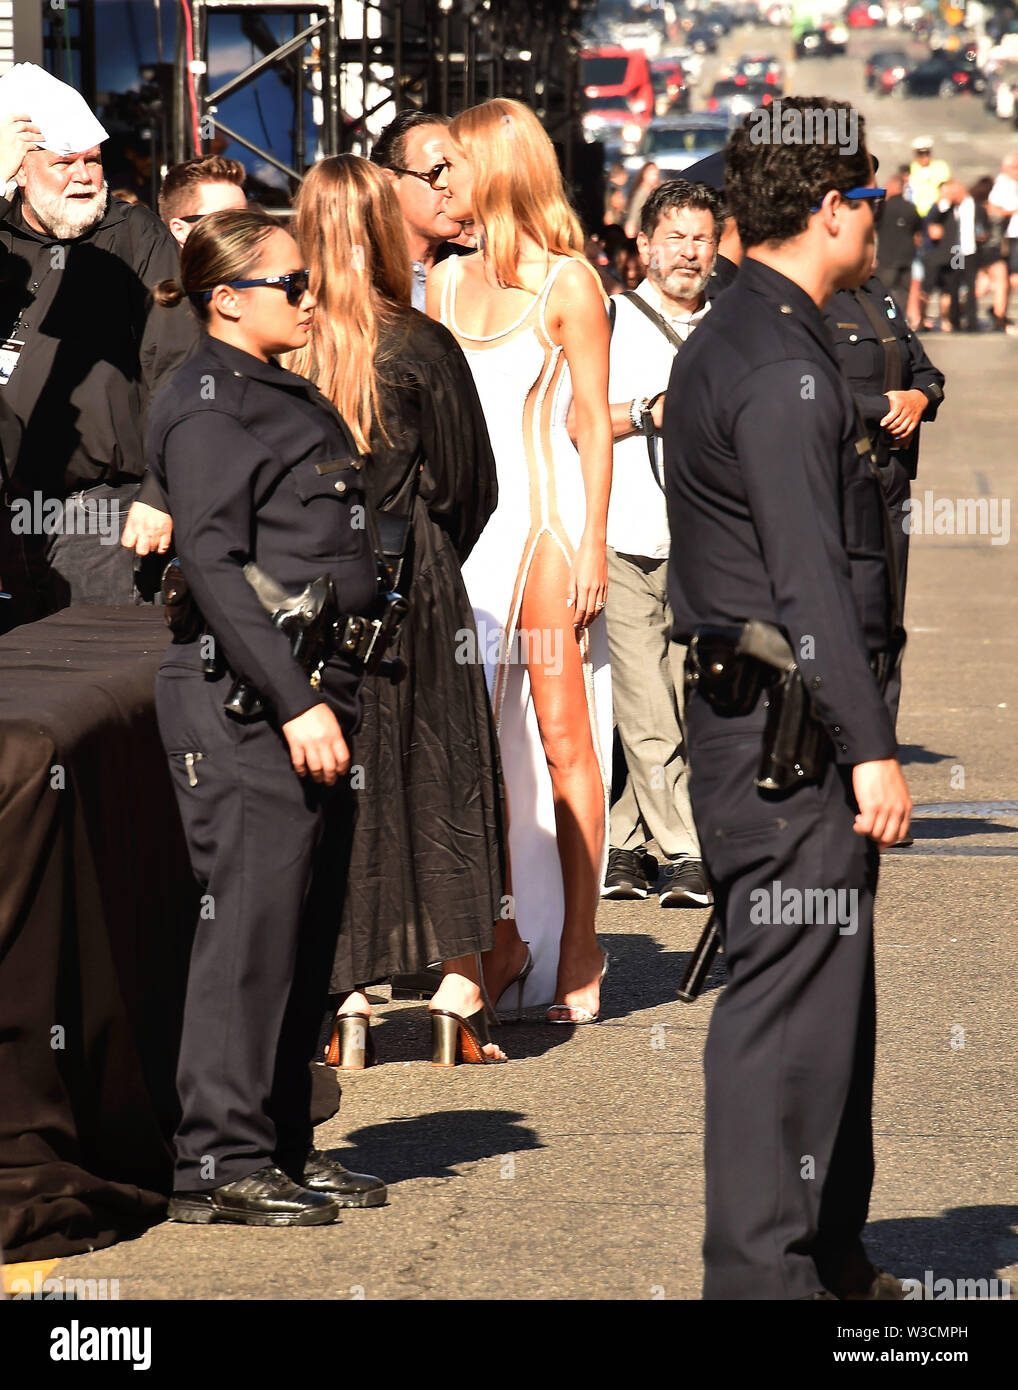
[[944, 250], [419, 386]]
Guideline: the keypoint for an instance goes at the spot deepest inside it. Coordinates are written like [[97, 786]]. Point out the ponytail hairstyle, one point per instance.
[[517, 185], [223, 246], [352, 236]]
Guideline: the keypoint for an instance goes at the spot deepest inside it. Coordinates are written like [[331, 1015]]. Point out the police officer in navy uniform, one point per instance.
[[775, 516], [895, 386], [257, 466]]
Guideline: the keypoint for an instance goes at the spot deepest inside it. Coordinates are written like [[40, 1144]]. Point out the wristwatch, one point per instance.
[[638, 408]]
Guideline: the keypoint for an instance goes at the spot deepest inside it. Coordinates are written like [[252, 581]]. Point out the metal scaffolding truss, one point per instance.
[[362, 61]]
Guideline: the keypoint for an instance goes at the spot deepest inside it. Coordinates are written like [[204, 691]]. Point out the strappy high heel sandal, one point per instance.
[[581, 1015], [351, 1047], [455, 1039], [520, 982]]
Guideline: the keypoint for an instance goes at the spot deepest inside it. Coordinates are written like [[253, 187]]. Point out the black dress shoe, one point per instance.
[[419, 984], [265, 1198], [323, 1173]]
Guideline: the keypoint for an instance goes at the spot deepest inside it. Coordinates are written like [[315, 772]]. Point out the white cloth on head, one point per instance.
[[67, 122]]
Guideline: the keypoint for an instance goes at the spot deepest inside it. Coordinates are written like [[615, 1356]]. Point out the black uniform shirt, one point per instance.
[[862, 360], [774, 514], [95, 350], [257, 465]]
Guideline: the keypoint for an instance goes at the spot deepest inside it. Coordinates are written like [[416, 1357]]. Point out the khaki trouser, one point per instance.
[[647, 697]]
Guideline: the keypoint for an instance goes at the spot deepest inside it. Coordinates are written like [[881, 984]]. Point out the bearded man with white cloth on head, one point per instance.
[[82, 351], [678, 242]]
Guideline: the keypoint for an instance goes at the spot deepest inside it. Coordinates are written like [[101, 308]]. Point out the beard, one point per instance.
[[680, 286], [66, 218]]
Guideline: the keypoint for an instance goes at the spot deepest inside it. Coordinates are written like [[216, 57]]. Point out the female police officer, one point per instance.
[[257, 466]]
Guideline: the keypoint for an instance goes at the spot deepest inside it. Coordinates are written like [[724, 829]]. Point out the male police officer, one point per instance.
[[895, 386], [775, 516]]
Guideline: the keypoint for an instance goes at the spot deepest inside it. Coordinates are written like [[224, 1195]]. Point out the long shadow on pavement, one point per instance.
[[436, 1145], [961, 1243]]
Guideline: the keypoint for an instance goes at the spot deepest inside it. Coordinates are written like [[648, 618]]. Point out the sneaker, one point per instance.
[[630, 873], [685, 885]]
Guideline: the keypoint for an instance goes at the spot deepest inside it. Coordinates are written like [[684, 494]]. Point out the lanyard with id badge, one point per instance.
[[10, 351]]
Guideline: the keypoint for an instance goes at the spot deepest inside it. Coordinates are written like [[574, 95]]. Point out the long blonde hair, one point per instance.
[[353, 239], [517, 185]]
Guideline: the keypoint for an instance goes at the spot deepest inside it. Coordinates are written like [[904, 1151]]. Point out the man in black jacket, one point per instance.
[[775, 516], [83, 351]]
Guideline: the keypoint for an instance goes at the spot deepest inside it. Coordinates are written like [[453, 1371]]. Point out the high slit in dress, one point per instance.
[[525, 390]]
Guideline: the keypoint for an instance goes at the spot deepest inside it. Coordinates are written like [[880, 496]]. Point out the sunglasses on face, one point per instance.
[[295, 284], [873, 196], [431, 177]]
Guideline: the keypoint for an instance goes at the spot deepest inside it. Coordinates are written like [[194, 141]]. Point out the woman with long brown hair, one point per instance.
[[427, 871], [530, 316]]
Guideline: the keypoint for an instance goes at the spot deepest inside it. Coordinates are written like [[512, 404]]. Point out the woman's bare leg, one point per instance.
[[560, 703]]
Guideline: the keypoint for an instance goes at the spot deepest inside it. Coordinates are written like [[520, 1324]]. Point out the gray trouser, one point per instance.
[[647, 697]]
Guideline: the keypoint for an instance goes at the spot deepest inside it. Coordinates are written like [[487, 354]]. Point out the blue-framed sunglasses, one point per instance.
[[295, 284], [874, 196]]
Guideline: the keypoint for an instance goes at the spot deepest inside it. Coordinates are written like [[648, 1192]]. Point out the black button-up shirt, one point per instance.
[[257, 465], [774, 513]]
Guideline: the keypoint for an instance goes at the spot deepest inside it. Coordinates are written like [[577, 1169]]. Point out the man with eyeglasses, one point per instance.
[[410, 151], [780, 582], [81, 353], [679, 228]]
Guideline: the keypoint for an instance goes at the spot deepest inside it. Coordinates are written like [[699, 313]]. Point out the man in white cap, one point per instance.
[[81, 352]]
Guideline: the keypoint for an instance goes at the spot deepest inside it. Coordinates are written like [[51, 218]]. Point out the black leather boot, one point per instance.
[[265, 1198], [322, 1172]]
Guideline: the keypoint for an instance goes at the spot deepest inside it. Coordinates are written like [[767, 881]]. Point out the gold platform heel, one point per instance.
[[351, 1047], [455, 1039]]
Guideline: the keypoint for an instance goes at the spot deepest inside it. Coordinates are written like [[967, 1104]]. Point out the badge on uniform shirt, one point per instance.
[[10, 351]]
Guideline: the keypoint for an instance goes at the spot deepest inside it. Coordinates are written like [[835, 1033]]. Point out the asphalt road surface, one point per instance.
[[575, 1171]]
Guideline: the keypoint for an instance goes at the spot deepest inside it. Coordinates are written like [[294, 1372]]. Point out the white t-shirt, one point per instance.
[[1004, 195], [640, 365]]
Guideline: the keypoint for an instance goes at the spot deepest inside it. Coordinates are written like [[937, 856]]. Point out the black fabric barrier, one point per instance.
[[97, 905]]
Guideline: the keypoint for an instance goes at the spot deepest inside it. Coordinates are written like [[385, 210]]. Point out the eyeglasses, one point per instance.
[[873, 196], [432, 176], [295, 284], [193, 217]]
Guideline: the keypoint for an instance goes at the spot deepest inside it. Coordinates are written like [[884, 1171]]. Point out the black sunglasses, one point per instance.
[[432, 176], [193, 217], [295, 284]]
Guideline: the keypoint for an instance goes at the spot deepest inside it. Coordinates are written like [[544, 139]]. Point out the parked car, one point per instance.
[[737, 95], [702, 39], [864, 16], [881, 60], [762, 67], [676, 142], [671, 91], [941, 75], [821, 43]]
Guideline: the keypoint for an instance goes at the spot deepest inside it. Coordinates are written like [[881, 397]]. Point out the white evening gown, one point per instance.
[[523, 383]]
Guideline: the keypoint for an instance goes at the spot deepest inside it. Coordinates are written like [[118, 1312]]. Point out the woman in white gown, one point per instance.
[[529, 314]]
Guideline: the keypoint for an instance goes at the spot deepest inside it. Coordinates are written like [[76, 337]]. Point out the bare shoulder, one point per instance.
[[576, 285], [576, 298]]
